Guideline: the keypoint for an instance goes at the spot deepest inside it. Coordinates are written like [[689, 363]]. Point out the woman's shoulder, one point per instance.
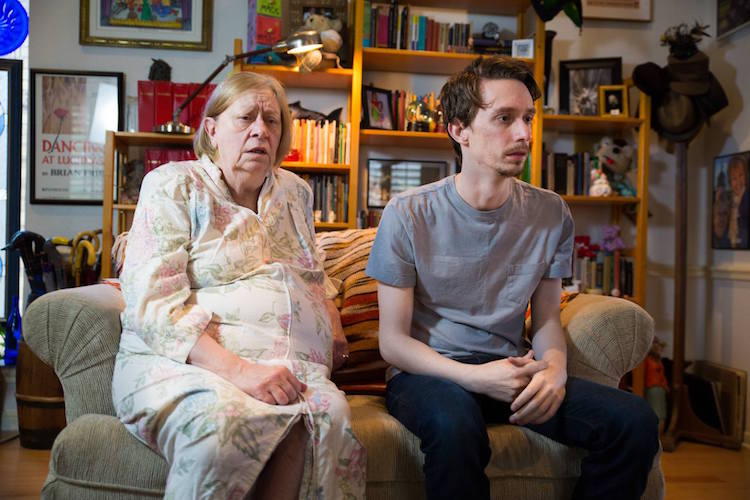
[[292, 182], [174, 174]]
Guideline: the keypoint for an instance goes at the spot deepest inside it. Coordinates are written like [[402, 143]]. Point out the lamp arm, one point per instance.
[[228, 59]]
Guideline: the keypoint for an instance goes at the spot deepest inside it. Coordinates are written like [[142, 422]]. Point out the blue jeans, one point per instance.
[[619, 430]]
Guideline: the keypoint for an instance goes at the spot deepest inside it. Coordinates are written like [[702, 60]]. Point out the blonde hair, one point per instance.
[[227, 91]]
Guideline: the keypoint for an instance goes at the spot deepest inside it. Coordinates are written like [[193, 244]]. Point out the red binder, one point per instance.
[[162, 102], [180, 91]]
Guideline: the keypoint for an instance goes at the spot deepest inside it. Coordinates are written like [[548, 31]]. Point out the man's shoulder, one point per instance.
[[420, 196], [538, 198]]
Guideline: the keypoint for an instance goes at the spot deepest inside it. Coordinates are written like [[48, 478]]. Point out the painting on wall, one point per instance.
[[70, 114], [730, 221], [387, 178], [163, 24], [621, 10], [731, 15]]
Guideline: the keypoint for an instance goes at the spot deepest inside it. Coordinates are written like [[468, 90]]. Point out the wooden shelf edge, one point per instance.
[[333, 78], [372, 137], [304, 167]]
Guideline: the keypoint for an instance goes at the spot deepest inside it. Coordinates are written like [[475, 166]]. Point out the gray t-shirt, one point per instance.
[[473, 271]]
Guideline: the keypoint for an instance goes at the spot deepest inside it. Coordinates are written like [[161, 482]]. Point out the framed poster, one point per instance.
[[180, 24], [621, 10], [730, 220], [70, 113], [10, 175], [580, 80], [731, 15], [387, 178]]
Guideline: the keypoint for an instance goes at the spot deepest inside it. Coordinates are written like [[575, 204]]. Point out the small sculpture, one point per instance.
[[599, 183]]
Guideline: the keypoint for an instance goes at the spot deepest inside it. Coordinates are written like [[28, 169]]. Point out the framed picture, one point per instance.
[[387, 178], [731, 15], [181, 25], [522, 48], [730, 221], [613, 100], [378, 112], [580, 80], [621, 10], [70, 113], [10, 175]]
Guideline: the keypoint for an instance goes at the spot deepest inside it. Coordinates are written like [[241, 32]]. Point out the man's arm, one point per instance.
[[502, 379], [539, 401]]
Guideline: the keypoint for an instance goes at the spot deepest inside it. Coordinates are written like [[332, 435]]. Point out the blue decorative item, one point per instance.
[[14, 25], [12, 333]]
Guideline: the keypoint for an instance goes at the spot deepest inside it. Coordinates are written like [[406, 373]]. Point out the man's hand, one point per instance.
[[272, 384], [504, 379], [541, 398]]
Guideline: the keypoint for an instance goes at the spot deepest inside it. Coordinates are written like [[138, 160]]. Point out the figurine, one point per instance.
[[599, 183], [656, 382]]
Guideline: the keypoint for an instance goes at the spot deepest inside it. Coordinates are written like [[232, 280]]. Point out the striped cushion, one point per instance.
[[346, 254]]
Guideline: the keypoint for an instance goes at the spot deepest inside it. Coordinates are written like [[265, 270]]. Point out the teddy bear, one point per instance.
[[329, 29], [615, 157]]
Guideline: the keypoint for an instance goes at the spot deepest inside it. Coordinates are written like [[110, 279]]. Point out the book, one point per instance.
[[180, 91], [162, 102], [146, 106]]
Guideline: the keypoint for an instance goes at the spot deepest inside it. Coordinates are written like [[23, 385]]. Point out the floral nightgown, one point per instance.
[[196, 261]]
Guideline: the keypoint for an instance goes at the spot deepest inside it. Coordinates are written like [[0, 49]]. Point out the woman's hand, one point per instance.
[[340, 346], [272, 384]]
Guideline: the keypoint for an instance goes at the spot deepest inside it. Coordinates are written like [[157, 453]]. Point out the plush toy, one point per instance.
[[329, 29], [656, 382], [599, 183], [615, 158]]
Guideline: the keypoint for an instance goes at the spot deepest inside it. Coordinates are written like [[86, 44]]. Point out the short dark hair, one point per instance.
[[461, 96]]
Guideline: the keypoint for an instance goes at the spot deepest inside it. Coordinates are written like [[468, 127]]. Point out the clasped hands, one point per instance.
[[534, 388]]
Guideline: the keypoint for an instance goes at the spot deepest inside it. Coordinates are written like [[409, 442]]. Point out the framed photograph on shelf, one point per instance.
[[10, 175], [613, 100], [580, 80], [70, 113], [730, 221], [620, 10], [387, 178], [731, 15], [522, 48], [181, 25], [377, 107]]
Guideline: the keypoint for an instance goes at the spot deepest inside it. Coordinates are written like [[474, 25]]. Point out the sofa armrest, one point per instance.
[[607, 337], [77, 332]]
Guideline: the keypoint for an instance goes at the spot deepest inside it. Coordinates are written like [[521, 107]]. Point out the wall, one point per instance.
[[717, 315]]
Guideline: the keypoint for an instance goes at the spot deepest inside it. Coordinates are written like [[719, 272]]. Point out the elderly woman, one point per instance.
[[227, 342]]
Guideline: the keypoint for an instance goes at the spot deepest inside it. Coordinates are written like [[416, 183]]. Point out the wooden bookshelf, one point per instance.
[[599, 125], [417, 61], [399, 138]]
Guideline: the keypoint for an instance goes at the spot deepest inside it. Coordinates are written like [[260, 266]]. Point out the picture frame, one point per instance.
[[523, 48], [11, 101], [613, 100], [620, 10], [70, 112], [185, 25], [377, 106], [730, 215], [580, 80], [388, 177], [731, 15]]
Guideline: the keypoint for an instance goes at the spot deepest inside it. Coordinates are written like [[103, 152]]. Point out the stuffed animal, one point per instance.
[[329, 29], [615, 158], [599, 183]]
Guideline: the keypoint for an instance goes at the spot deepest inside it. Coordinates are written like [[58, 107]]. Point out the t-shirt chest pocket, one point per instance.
[[522, 281]]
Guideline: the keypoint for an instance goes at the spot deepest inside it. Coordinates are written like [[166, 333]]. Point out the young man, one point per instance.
[[457, 262]]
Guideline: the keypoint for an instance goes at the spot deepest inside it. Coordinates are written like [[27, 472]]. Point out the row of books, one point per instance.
[[392, 26], [368, 218], [608, 273], [320, 141], [153, 157], [157, 101], [330, 197], [568, 174]]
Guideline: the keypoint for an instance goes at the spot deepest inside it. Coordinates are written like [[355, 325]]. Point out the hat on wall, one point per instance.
[[684, 93]]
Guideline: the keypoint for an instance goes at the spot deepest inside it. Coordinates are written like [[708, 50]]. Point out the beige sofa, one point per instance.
[[76, 331]]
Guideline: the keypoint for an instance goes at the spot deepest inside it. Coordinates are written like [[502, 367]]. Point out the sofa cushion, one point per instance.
[[346, 254], [524, 464], [123, 466]]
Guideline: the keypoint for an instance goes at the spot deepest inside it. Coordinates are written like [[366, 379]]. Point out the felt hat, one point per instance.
[[689, 76], [676, 117]]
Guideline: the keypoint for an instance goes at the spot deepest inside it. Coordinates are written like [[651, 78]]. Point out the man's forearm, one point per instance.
[[549, 344]]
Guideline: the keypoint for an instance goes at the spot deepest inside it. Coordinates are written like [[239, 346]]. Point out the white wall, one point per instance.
[[717, 311]]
